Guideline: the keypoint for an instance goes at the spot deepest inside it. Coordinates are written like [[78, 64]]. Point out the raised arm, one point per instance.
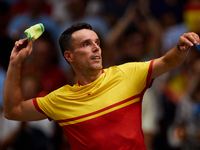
[[176, 56], [15, 107]]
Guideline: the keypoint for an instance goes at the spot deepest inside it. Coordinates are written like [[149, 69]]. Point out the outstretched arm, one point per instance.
[[15, 107], [175, 57]]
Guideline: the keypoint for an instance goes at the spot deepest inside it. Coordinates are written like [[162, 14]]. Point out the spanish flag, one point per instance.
[[191, 16]]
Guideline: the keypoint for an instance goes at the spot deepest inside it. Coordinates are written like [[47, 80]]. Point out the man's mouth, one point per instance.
[[96, 58]]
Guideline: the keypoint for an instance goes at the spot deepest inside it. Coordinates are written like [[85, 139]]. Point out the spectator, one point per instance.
[[34, 15], [22, 6], [185, 131], [150, 118]]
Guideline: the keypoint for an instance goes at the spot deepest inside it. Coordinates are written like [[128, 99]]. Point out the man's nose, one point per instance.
[[95, 47]]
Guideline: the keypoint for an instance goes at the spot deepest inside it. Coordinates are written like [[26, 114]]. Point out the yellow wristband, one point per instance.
[[34, 32]]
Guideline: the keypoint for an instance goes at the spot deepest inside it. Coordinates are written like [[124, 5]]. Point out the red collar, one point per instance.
[[80, 83]]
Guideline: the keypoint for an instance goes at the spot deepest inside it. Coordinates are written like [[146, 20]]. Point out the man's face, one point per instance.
[[86, 53]]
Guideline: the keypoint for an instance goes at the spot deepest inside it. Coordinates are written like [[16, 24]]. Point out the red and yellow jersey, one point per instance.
[[105, 114]]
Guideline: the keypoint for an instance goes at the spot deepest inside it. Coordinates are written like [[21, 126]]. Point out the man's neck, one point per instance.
[[87, 79]]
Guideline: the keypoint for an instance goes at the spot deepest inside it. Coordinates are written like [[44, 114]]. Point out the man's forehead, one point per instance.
[[84, 34]]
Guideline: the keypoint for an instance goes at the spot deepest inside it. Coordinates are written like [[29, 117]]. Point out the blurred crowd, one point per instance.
[[130, 30]]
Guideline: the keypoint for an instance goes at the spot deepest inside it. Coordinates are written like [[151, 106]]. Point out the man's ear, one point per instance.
[[68, 56]]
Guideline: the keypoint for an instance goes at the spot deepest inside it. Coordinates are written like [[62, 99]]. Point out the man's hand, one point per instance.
[[21, 50], [175, 57], [187, 40]]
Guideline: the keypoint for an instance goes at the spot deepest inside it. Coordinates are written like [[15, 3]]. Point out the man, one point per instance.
[[101, 111]]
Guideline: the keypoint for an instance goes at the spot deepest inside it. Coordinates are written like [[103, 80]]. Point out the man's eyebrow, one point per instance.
[[84, 41], [98, 40], [88, 40]]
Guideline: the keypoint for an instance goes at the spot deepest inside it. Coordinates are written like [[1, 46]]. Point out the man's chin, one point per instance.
[[97, 67]]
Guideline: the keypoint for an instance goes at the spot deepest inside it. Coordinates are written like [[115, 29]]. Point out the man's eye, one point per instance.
[[85, 44], [98, 43]]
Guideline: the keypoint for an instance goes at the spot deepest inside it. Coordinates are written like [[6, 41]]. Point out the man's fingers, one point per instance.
[[22, 43], [185, 41], [190, 38], [30, 46]]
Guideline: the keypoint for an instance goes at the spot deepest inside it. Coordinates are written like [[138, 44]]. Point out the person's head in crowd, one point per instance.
[[132, 45], [77, 8], [36, 7], [45, 52], [30, 85], [4, 17]]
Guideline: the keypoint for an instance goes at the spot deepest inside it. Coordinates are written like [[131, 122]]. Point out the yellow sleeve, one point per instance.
[[139, 73]]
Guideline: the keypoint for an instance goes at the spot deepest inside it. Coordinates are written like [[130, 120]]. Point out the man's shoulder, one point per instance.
[[129, 65]]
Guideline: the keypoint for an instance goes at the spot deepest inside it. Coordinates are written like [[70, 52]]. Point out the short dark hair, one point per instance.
[[65, 38]]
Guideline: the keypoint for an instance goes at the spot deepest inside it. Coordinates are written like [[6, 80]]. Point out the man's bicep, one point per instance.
[[28, 112]]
